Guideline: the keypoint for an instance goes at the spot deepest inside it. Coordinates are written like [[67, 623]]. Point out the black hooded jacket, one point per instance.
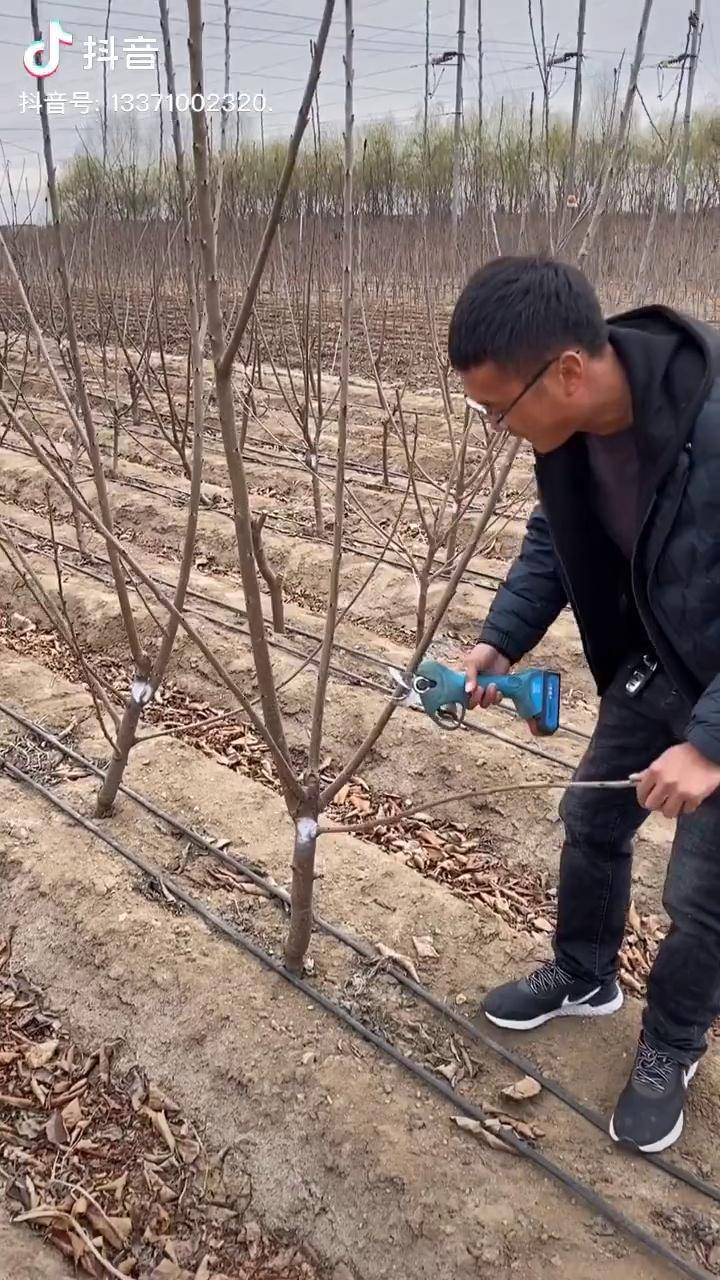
[[668, 597]]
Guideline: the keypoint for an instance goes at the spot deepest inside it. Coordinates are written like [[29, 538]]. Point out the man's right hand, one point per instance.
[[484, 660]]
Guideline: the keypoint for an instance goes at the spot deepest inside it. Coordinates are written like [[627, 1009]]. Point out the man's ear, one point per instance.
[[571, 371]]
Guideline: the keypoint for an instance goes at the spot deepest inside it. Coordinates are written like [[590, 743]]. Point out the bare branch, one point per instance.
[[346, 310], [274, 219], [416, 810], [274, 580]]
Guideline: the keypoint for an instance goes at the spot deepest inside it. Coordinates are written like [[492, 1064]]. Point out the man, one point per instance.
[[624, 420]]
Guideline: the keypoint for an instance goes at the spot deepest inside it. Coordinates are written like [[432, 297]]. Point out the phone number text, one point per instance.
[[189, 102]]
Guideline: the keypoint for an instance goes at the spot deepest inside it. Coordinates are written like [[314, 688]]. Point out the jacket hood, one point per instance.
[[671, 362], [664, 321]]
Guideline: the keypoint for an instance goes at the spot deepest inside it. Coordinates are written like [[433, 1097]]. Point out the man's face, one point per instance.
[[544, 406]]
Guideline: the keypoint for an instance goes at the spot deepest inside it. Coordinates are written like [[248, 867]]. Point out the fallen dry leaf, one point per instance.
[[497, 1144], [188, 1149], [17, 1103], [543, 924], [450, 1070], [425, 949], [40, 1093], [158, 1120], [71, 1114], [29, 1126], [105, 1062], [77, 1246], [492, 1130], [522, 1090], [632, 982], [467, 1123], [44, 1213], [116, 1187], [56, 1132], [634, 920], [528, 1131], [404, 961], [428, 836], [157, 1187], [38, 1055], [252, 890], [486, 1135], [167, 1270], [138, 1088], [159, 1101], [17, 1190], [115, 1230]]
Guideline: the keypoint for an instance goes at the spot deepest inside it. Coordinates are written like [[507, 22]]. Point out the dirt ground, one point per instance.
[[22, 1254], [347, 1155]]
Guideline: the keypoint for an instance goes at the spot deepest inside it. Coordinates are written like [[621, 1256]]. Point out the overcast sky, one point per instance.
[[269, 52]]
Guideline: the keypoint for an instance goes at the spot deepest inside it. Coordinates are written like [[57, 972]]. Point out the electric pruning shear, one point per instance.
[[440, 692]]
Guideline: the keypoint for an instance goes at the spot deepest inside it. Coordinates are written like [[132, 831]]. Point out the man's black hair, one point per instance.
[[518, 312]]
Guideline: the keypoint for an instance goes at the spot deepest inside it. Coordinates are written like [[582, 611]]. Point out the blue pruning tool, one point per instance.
[[440, 692]]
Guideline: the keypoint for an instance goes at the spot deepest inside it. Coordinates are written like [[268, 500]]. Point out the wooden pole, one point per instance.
[[687, 115], [480, 73], [457, 133], [427, 75], [577, 94]]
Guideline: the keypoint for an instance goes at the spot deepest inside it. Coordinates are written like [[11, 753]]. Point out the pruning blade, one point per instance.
[[404, 694]]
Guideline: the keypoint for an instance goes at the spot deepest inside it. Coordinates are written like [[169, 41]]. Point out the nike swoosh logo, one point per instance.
[[582, 1000]]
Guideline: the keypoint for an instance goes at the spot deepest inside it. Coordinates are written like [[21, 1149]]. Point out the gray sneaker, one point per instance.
[[649, 1114], [548, 993]]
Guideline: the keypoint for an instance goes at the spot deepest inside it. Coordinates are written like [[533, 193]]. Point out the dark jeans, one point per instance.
[[595, 868]]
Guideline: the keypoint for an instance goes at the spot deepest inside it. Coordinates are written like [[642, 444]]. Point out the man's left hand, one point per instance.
[[678, 781]]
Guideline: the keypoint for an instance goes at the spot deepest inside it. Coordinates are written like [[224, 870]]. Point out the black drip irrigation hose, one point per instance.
[[276, 451], [338, 672], [355, 547], [214, 921], [265, 450], [366, 951]]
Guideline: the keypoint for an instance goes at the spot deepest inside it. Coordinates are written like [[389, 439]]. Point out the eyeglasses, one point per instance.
[[498, 418]]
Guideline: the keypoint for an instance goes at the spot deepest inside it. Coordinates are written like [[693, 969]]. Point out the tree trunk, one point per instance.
[[140, 695], [116, 445], [385, 431], [301, 891], [317, 499], [274, 580], [451, 546], [133, 385], [74, 458], [103, 351], [423, 584]]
